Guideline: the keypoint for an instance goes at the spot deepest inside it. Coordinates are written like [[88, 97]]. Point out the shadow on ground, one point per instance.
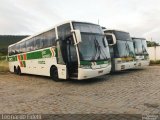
[[87, 81]]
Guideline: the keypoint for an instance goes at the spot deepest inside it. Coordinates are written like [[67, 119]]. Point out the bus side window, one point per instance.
[[64, 31], [20, 50], [51, 38], [109, 39], [30, 45], [13, 50], [37, 44], [17, 49], [27, 45], [23, 47], [42, 41], [46, 40]]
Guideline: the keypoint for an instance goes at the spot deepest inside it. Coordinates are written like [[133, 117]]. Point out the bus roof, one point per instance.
[[105, 30], [138, 38], [69, 21]]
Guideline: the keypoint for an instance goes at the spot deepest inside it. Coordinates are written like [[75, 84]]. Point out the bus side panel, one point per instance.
[[39, 66], [12, 64]]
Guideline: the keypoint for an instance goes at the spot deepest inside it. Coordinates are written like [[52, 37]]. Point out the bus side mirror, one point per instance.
[[114, 39], [111, 39], [77, 35]]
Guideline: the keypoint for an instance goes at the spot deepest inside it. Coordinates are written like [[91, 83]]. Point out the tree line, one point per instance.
[[6, 40]]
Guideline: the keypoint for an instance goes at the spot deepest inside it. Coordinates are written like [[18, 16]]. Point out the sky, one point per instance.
[[141, 18]]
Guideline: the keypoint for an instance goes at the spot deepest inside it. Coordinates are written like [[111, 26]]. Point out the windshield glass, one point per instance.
[[122, 48], [94, 45], [130, 48], [124, 44], [140, 46], [125, 48], [144, 47]]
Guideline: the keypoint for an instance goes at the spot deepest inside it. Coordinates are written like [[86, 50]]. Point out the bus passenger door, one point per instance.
[[61, 66]]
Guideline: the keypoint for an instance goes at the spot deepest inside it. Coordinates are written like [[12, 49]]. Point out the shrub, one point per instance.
[[155, 62]]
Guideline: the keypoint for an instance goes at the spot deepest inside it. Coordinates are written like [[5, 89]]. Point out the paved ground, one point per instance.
[[129, 92]]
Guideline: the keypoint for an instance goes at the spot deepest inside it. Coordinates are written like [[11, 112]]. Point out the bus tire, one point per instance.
[[19, 71], [54, 73], [15, 70]]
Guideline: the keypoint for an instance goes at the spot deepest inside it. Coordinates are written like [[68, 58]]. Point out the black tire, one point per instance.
[[54, 74], [19, 71], [15, 70]]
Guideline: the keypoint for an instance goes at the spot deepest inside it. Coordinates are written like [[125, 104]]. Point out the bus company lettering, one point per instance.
[[45, 54]]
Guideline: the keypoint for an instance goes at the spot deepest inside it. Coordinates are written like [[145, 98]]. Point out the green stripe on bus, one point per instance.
[[21, 57], [24, 63], [85, 63], [12, 58], [46, 53], [39, 54]]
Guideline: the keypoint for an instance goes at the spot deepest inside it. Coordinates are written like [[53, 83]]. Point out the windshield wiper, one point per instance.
[[130, 52], [99, 50], [126, 50]]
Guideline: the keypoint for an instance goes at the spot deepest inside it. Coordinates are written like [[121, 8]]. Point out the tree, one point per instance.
[[152, 44]]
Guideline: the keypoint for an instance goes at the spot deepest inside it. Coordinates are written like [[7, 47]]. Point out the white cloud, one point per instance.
[[139, 17]]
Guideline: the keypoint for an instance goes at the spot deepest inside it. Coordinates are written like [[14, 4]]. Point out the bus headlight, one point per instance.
[[119, 61]]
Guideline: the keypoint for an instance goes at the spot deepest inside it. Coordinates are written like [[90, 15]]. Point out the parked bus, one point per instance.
[[142, 56], [121, 50], [76, 50]]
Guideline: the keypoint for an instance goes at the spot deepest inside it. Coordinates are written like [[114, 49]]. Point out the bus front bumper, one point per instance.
[[125, 66], [91, 73], [142, 63]]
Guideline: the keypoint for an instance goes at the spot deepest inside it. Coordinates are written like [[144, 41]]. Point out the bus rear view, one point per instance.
[[121, 50]]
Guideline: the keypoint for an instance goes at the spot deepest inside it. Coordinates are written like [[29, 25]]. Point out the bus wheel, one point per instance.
[[15, 70], [54, 74], [19, 71]]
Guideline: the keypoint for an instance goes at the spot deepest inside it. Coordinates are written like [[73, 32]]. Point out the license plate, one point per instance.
[[99, 72]]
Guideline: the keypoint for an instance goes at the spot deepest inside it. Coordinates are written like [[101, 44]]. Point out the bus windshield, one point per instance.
[[94, 45], [124, 44], [140, 46], [144, 47]]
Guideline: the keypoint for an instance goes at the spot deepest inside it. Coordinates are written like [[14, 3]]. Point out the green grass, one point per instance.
[[4, 66], [152, 62]]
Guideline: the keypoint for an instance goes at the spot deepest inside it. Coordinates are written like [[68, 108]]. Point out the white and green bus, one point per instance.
[[142, 56], [76, 50], [121, 49]]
